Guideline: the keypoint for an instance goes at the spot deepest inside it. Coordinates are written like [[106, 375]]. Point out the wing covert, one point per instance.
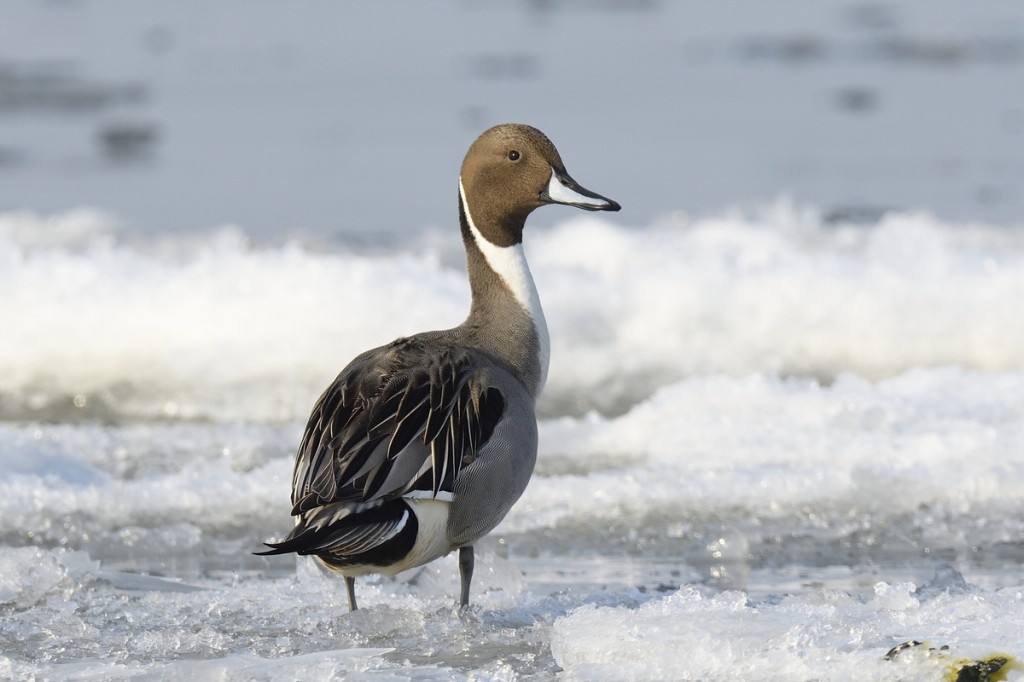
[[400, 419]]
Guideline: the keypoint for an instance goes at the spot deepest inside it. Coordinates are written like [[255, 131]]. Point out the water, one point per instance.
[[780, 436], [182, 116], [797, 433]]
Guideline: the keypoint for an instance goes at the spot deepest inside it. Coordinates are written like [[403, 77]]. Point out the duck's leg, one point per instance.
[[466, 570], [350, 586]]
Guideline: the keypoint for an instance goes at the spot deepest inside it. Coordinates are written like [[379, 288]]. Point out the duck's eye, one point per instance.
[[513, 155]]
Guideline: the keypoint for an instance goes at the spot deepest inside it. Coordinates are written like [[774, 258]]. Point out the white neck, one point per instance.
[[509, 262]]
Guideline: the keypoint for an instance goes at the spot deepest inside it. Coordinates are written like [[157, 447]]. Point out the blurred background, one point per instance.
[[349, 120]]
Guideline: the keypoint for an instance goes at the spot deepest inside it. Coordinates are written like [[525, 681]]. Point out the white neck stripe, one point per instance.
[[509, 262]]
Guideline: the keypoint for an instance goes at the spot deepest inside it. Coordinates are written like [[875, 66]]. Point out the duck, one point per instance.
[[422, 446]]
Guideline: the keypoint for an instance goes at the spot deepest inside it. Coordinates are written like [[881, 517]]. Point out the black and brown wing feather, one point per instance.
[[399, 419]]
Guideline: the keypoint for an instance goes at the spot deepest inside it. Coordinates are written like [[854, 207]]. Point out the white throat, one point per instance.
[[509, 262]]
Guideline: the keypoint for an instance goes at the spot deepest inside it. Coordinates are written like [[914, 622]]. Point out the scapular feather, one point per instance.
[[362, 434]]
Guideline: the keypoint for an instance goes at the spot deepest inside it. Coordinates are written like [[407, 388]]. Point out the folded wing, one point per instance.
[[402, 420]]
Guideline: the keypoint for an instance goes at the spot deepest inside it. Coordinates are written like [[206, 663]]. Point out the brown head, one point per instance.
[[510, 170]]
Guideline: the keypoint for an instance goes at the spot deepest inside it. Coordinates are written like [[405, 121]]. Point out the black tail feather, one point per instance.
[[291, 544], [330, 540]]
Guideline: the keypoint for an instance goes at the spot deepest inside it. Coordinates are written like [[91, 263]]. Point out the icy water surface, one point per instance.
[[770, 448]]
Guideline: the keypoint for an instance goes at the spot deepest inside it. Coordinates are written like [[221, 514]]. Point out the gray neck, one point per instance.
[[498, 322]]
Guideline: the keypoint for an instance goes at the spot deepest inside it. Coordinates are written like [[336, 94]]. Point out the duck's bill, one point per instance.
[[562, 189]]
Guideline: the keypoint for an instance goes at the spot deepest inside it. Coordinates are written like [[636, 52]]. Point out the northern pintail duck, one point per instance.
[[422, 446]]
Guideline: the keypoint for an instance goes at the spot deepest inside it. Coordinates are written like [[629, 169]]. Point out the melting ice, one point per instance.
[[771, 447]]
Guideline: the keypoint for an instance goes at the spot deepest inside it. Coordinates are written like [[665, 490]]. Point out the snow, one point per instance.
[[220, 326], [820, 635], [73, 622], [771, 447]]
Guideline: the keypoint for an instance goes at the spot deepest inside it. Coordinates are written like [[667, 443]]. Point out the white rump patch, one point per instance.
[[510, 264], [432, 536]]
